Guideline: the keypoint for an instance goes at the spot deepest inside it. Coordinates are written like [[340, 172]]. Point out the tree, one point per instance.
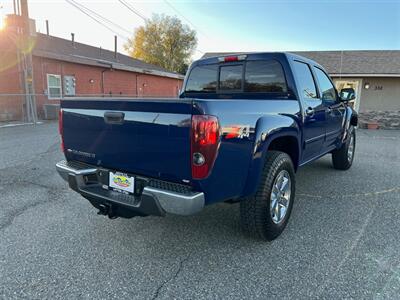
[[163, 41]]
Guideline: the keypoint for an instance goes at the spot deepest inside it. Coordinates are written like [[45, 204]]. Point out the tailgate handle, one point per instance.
[[113, 117]]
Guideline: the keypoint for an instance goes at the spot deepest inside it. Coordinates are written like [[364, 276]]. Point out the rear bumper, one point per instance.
[[86, 180]]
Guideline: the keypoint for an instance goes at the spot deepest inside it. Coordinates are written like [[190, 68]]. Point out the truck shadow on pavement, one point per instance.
[[320, 190]]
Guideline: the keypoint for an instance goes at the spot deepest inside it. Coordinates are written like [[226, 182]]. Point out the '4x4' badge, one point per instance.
[[236, 131]]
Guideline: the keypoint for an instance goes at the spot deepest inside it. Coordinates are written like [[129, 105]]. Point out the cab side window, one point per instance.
[[307, 85], [327, 89]]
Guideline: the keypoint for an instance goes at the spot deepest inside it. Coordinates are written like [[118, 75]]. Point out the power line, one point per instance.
[[182, 15], [101, 17], [187, 20], [96, 20], [132, 9], [87, 12]]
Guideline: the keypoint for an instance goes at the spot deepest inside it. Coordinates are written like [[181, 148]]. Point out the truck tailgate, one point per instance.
[[149, 137]]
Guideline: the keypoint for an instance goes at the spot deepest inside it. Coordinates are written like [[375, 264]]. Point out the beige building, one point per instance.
[[374, 75]]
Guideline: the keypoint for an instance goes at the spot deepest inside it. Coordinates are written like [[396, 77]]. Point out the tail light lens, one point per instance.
[[204, 144], [60, 128]]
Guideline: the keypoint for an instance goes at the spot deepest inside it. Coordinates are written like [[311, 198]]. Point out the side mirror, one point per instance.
[[347, 94]]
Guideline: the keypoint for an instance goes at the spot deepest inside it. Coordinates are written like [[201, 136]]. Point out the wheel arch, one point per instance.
[[288, 144], [278, 133]]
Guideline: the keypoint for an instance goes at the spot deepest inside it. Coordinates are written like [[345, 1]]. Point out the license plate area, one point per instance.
[[121, 182]]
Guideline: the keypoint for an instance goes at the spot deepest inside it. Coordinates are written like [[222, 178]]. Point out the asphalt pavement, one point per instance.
[[342, 241]]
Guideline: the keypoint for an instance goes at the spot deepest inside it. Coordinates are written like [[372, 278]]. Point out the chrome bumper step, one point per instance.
[[178, 200]]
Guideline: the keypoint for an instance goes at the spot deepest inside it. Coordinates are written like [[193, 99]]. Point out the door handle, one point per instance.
[[309, 111], [114, 117], [328, 110]]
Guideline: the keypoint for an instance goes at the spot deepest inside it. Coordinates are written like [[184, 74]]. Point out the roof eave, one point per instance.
[[364, 75], [103, 63]]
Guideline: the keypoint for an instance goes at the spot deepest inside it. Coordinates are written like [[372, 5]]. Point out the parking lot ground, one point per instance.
[[342, 241]]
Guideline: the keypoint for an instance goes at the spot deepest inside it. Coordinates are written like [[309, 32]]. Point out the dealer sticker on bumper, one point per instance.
[[122, 182]]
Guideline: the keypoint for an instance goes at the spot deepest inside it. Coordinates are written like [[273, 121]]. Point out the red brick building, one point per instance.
[[64, 68]]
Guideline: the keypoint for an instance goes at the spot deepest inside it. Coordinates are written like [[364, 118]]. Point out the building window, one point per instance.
[[54, 90]]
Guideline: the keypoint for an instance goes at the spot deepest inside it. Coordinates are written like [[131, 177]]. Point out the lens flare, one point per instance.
[[2, 22], [10, 59]]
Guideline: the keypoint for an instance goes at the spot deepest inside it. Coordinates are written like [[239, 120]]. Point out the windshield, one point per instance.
[[261, 76]]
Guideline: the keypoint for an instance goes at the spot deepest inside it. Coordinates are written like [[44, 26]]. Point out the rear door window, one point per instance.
[[264, 77], [230, 78], [306, 81]]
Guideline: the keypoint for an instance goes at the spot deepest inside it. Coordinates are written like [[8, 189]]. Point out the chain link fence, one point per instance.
[[25, 108], [33, 108]]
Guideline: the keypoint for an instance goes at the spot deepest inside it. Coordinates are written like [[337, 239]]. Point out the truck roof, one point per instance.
[[211, 57]]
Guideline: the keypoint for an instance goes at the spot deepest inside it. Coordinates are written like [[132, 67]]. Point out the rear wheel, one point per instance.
[[266, 214], [343, 157]]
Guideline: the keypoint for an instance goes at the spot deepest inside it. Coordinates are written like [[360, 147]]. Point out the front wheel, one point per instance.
[[343, 157], [266, 214]]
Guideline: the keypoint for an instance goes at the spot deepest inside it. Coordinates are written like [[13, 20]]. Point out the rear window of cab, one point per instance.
[[258, 76]]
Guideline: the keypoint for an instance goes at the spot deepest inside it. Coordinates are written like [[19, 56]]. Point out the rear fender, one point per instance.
[[268, 129]]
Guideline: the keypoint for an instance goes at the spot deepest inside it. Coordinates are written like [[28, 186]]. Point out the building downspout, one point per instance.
[[102, 81], [102, 78], [137, 92]]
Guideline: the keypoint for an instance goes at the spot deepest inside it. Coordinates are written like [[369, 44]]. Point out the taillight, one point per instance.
[[204, 144], [60, 128]]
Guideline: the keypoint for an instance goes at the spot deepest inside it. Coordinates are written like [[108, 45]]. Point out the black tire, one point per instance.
[[255, 211], [340, 157]]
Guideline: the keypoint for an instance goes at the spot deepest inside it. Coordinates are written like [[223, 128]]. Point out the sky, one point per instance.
[[224, 26]]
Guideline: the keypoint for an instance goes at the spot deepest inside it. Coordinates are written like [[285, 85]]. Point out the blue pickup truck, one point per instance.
[[242, 126]]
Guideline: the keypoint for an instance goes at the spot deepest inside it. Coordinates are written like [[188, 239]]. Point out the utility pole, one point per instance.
[[115, 47], [27, 66]]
